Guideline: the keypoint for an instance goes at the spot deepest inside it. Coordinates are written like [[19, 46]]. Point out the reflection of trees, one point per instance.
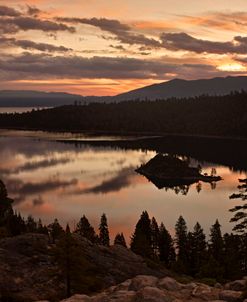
[[213, 185], [183, 189], [240, 216], [198, 187]]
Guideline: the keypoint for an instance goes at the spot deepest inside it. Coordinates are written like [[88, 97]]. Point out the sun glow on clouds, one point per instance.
[[235, 67], [93, 40], [97, 87]]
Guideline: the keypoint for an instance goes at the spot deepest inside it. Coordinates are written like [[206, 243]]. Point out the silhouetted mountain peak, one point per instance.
[[178, 88]]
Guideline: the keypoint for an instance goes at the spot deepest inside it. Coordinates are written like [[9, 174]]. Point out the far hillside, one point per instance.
[[27, 98], [183, 88]]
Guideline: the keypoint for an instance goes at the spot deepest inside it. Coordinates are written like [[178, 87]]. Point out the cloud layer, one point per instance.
[[183, 41], [45, 44], [28, 65]]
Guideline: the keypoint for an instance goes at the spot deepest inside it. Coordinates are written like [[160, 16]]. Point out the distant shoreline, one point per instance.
[[222, 118]]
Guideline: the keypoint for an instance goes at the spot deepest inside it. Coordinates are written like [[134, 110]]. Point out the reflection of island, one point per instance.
[[171, 172]]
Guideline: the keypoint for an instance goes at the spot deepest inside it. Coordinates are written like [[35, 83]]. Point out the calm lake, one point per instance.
[[66, 176]]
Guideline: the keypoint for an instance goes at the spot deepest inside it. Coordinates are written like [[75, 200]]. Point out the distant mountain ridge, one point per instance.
[[177, 88], [29, 98], [187, 88]]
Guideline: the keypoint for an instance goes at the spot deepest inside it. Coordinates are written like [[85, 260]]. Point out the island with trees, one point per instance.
[[171, 171]]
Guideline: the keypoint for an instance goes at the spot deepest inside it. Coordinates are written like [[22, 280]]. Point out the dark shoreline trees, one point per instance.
[[204, 115]]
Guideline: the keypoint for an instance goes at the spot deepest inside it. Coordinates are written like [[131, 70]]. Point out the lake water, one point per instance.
[[50, 175]]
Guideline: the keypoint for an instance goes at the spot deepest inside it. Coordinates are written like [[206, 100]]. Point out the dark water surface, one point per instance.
[[54, 175]]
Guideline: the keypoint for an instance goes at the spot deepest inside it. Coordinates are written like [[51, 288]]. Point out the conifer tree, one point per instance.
[[55, 230], [104, 238], [233, 261], [166, 248], [155, 237], [190, 255], [77, 272], [240, 216], [141, 239], [212, 269], [85, 229], [243, 253], [42, 229], [3, 191], [71, 261], [11, 224], [39, 226], [120, 240], [181, 239], [5, 204], [197, 249], [15, 224], [31, 224], [216, 242]]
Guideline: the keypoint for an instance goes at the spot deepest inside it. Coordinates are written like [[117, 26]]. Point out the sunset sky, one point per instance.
[[105, 47]]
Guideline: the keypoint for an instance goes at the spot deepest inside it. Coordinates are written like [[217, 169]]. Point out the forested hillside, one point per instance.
[[205, 115]]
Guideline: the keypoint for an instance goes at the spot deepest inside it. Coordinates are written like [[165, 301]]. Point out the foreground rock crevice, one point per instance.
[[143, 288]]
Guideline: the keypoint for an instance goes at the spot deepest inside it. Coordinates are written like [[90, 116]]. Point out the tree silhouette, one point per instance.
[[155, 234], [85, 229], [141, 239], [216, 241], [120, 240], [233, 256], [5, 204], [197, 249], [181, 240], [55, 230], [71, 261], [166, 249], [31, 224], [240, 217], [104, 238]]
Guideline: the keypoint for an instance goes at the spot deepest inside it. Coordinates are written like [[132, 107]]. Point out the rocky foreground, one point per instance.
[[28, 271], [143, 288]]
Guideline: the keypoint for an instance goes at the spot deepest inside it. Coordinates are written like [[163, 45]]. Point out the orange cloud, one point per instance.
[[154, 26], [235, 22], [84, 87]]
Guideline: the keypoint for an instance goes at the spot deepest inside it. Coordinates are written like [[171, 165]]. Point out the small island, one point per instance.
[[171, 171]]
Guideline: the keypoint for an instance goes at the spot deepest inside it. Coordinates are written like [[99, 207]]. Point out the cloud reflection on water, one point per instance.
[[50, 179]]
